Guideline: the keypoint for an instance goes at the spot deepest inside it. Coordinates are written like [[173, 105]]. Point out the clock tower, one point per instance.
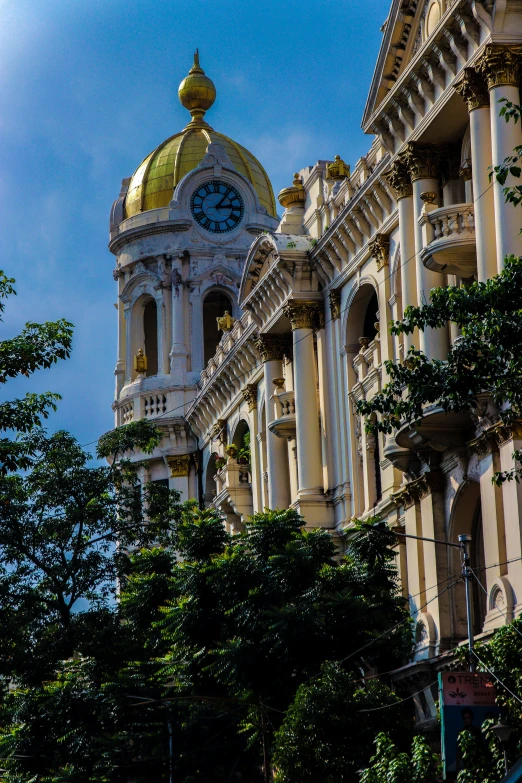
[[180, 231]]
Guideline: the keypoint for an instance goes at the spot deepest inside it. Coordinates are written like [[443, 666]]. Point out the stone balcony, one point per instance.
[[450, 245], [234, 493], [284, 426]]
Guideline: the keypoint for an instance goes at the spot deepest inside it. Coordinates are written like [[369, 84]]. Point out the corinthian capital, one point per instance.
[[400, 180], [304, 315], [380, 249], [500, 65], [473, 89], [421, 160], [249, 394], [272, 347]]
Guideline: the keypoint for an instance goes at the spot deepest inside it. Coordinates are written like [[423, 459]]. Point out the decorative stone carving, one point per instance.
[[428, 197], [217, 430], [249, 394], [117, 273], [179, 465], [303, 314], [421, 160], [414, 491], [380, 250], [466, 171], [272, 347], [400, 180], [484, 444], [335, 304], [500, 65], [473, 89]]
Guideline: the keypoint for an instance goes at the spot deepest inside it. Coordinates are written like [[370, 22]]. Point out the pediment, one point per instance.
[[403, 36], [219, 273]]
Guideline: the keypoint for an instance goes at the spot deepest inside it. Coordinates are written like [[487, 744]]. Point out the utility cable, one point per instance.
[[396, 703], [504, 614], [398, 625], [496, 678]]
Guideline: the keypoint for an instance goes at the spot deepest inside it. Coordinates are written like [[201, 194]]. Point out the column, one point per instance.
[[178, 351], [272, 349], [399, 179], [127, 314], [492, 507], [305, 317], [501, 67], [249, 394], [422, 163], [474, 91]]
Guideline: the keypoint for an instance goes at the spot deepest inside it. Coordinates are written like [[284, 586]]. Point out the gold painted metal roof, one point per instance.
[[154, 181]]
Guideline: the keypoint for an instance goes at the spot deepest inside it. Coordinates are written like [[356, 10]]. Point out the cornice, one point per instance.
[[132, 234]]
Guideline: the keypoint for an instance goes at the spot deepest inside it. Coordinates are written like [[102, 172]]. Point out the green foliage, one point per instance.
[[214, 639], [389, 765], [59, 526], [481, 756], [511, 165], [38, 346], [485, 359], [328, 730]]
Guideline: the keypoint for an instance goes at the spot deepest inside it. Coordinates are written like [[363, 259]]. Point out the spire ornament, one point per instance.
[[197, 93]]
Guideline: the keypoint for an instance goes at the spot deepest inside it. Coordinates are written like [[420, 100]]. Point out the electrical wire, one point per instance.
[[396, 703], [495, 676], [401, 622], [504, 614]]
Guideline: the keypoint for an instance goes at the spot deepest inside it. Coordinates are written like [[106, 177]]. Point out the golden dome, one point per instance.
[[154, 181]]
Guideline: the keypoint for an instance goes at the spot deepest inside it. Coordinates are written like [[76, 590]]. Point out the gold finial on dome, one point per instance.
[[293, 195], [197, 93]]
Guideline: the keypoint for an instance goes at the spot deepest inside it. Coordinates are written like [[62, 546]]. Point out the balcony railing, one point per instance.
[[284, 426], [450, 245]]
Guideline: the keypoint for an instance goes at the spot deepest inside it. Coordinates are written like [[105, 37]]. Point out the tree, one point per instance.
[[59, 526], [328, 730], [37, 346], [254, 617], [192, 671], [393, 766]]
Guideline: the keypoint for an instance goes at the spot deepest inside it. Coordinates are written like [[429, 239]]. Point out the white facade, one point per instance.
[[313, 298]]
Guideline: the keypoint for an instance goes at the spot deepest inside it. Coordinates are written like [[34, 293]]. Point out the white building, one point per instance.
[[195, 234]]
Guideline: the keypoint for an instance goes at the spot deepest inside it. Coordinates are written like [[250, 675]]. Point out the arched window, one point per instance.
[[214, 306], [150, 332]]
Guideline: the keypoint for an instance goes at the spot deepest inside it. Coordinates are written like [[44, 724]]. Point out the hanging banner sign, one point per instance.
[[467, 699]]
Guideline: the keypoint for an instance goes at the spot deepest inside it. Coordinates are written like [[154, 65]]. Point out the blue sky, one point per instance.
[[89, 87]]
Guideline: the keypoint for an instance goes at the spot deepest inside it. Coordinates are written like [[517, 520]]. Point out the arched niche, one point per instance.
[[215, 303], [466, 518], [144, 331]]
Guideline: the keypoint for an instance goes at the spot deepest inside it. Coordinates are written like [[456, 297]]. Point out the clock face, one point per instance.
[[216, 206]]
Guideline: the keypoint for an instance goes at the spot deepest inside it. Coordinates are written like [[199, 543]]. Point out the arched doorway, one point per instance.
[[150, 333], [215, 304], [466, 518]]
